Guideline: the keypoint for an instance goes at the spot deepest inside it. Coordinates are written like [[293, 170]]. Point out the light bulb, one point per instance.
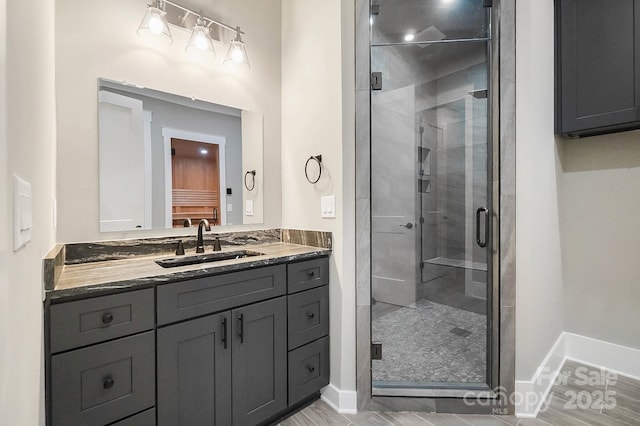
[[201, 42], [409, 37], [237, 54], [155, 25]]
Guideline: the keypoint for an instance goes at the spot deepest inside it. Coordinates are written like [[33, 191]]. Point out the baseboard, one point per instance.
[[597, 353], [531, 394], [342, 401]]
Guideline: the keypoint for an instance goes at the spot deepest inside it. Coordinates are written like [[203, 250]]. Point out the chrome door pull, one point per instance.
[[479, 212]]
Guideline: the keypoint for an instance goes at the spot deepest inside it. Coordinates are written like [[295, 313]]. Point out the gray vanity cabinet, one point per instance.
[[235, 349], [259, 361], [194, 372], [597, 66]]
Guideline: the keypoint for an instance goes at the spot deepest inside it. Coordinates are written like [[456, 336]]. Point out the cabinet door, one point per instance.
[[599, 55], [194, 372], [259, 361]]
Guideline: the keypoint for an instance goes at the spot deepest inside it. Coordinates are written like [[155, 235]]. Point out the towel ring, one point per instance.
[[317, 159], [251, 173]]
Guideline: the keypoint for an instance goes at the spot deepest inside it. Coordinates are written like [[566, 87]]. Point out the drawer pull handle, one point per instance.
[[241, 333], [107, 318], [108, 383], [311, 369], [311, 274], [224, 332], [310, 315]]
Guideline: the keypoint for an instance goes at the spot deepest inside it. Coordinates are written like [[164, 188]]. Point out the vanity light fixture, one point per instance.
[[154, 24], [237, 54], [204, 31]]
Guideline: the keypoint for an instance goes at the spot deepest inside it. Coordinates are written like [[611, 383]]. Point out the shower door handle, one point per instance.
[[479, 212]]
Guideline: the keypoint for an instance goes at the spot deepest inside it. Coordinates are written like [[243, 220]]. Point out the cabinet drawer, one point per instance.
[[308, 316], [89, 321], [308, 274], [146, 418], [308, 369], [103, 383], [188, 299]]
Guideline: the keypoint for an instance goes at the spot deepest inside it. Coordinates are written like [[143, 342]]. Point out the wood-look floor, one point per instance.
[[606, 400]]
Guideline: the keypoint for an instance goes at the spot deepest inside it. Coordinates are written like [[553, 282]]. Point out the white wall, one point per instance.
[[318, 93], [539, 286], [601, 237], [577, 214], [96, 39], [30, 153], [4, 220]]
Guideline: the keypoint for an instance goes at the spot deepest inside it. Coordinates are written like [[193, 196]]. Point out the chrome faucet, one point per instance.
[[200, 242]]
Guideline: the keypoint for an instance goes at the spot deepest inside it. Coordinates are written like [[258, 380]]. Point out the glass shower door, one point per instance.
[[430, 194]]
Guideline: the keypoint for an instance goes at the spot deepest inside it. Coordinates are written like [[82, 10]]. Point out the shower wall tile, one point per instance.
[[362, 45], [508, 137], [363, 146], [507, 353], [508, 250], [363, 252], [363, 356]]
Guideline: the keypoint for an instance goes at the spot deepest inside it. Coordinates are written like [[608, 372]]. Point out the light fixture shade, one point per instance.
[[154, 25], [200, 43], [237, 54]]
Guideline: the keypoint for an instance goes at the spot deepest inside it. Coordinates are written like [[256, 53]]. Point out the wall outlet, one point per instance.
[[328, 207]]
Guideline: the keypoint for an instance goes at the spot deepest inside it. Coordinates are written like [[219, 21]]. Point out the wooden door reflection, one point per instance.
[[195, 168]]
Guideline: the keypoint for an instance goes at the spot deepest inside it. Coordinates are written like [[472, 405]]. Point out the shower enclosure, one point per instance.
[[430, 196]]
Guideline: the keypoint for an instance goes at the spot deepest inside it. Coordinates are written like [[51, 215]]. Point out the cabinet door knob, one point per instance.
[[310, 314], [311, 369], [107, 318], [108, 382]]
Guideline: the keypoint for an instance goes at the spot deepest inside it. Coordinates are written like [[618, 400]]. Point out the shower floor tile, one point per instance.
[[430, 342]]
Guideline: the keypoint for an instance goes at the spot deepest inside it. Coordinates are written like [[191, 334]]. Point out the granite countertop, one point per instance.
[[79, 280]]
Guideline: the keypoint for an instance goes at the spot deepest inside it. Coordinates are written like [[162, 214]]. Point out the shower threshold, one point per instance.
[[453, 390]]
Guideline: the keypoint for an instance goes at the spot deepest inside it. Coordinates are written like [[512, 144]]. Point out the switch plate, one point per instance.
[[229, 207], [328, 207], [248, 210], [22, 212]]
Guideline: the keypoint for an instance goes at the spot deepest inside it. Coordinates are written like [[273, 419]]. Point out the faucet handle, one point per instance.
[[180, 249], [216, 244]]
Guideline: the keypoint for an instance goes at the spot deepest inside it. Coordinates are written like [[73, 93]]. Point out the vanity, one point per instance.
[[234, 342]]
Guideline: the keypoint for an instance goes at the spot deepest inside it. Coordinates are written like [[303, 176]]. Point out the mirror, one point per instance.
[[168, 161]]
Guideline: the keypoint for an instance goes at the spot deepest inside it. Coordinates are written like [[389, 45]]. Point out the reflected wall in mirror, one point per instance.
[[168, 161]]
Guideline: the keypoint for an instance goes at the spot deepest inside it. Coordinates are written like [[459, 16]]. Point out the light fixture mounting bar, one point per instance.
[[209, 21]]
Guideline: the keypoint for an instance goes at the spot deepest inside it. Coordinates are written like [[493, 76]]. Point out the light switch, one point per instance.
[[22, 212], [328, 206], [229, 207], [248, 210]]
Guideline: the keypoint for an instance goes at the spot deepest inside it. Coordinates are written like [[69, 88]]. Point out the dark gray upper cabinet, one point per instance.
[[597, 66], [259, 361], [194, 372]]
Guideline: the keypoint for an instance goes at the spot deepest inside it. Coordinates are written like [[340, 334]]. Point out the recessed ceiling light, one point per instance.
[[204, 151], [409, 37]]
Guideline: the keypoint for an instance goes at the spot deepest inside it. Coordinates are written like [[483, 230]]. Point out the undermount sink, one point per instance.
[[206, 258]]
